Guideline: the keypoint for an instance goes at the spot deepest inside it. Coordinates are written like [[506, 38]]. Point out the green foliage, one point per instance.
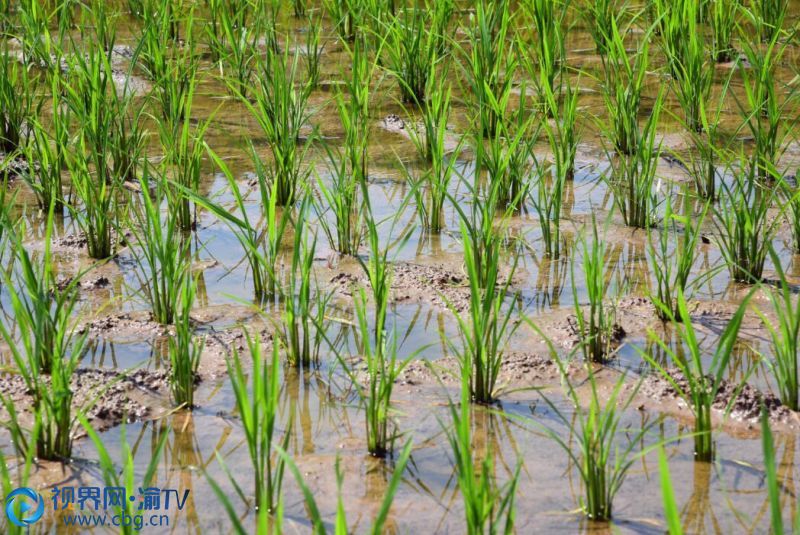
[[184, 349]]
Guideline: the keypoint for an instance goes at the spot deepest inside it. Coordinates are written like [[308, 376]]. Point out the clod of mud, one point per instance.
[[111, 396], [744, 407], [126, 326]]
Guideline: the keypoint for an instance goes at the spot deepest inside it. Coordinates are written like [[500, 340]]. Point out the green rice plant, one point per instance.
[[17, 101], [257, 407], [299, 8], [301, 317], [547, 199], [262, 239], [9, 483], [488, 506], [633, 176], [282, 111], [595, 325], [184, 349], [723, 22], [345, 15], [766, 105], [489, 66], [348, 166], [745, 221], [38, 44], [45, 351], [161, 252], [158, 34], [411, 50], [623, 84], [442, 12], [600, 17], [785, 337], [769, 17], [122, 475], [668, 495], [549, 51], [693, 74], [595, 431], [791, 203], [312, 55], [773, 485], [702, 380], [235, 48], [670, 21], [672, 267]]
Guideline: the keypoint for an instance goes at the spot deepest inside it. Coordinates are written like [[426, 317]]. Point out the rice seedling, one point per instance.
[[622, 88], [601, 17], [633, 176], [38, 45], [745, 221], [184, 349], [312, 55], [348, 167], [723, 22], [161, 252], [672, 268], [45, 348], [17, 102], [489, 66], [302, 317], [785, 337], [702, 380], [769, 17], [411, 49], [122, 476], [668, 496], [282, 111], [771, 481], [45, 179], [345, 15], [693, 74], [670, 20], [299, 8], [261, 242], [257, 407], [595, 325], [548, 19], [235, 46], [488, 506]]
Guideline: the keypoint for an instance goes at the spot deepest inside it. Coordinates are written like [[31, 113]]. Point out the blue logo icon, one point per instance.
[[31, 506]]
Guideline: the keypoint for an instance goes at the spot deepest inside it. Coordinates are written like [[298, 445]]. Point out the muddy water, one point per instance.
[[327, 423]]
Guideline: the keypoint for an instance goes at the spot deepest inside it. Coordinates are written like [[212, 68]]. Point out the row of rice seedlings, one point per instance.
[[548, 19], [593, 448], [595, 325], [486, 326], [302, 317], [161, 251], [488, 506], [723, 21], [672, 268], [785, 337], [702, 382], [261, 239], [281, 110], [623, 84], [234, 45], [489, 65], [348, 165], [745, 221], [257, 407], [121, 475], [184, 348], [46, 351], [17, 101], [411, 50], [633, 176]]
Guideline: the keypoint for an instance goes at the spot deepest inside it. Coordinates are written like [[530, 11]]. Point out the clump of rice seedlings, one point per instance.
[[299, 8], [411, 50], [282, 111], [723, 22], [785, 336], [46, 350], [548, 18], [302, 318], [431, 145], [593, 448], [122, 477], [348, 166], [769, 16], [672, 267], [490, 64], [745, 222], [692, 72], [345, 15], [670, 20], [488, 506], [442, 12], [312, 55], [184, 349], [38, 45], [257, 407], [45, 178], [156, 39], [596, 324], [702, 381], [234, 47], [262, 239], [17, 102], [161, 252], [633, 176], [622, 88], [600, 17]]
